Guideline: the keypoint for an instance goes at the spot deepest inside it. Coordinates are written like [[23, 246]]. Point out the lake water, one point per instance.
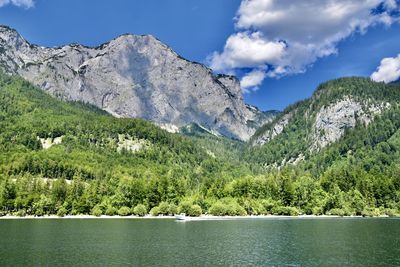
[[244, 242]]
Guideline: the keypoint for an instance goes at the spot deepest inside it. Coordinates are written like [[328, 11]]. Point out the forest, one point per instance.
[[70, 158]]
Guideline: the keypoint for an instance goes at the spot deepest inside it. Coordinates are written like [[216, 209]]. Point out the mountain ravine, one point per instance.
[[135, 76]]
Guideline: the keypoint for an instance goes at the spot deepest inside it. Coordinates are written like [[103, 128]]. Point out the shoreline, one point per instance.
[[200, 218]]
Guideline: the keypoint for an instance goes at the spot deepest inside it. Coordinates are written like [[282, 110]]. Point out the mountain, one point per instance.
[[59, 157], [135, 77], [57, 139], [337, 152], [337, 108], [43, 135], [44, 139]]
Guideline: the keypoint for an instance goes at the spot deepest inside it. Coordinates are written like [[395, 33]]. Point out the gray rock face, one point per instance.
[[135, 76], [332, 121], [275, 130], [329, 122]]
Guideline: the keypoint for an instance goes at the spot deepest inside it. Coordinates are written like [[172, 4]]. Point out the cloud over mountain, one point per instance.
[[284, 37], [388, 71], [252, 80]]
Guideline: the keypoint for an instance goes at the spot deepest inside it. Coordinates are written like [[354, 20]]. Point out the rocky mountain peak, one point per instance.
[[10, 37], [135, 76], [9, 34], [232, 85]]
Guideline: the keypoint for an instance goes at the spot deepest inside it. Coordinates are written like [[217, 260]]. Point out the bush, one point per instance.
[[189, 209], [155, 211], [124, 211], [349, 211], [43, 206], [371, 212], [39, 212], [218, 209], [173, 209], [292, 211], [391, 212], [268, 205], [253, 207], [184, 207], [337, 212], [227, 207], [74, 212], [110, 211], [21, 213], [163, 208], [317, 210], [96, 211], [288, 211], [61, 212], [195, 211], [140, 210]]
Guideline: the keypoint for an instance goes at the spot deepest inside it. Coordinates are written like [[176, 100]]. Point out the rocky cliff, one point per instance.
[[135, 76], [337, 107], [332, 121]]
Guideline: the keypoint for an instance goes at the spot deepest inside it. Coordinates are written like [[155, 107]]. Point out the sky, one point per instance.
[[279, 49]]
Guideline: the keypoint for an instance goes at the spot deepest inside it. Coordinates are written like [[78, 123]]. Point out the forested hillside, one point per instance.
[[336, 108], [72, 158], [363, 161]]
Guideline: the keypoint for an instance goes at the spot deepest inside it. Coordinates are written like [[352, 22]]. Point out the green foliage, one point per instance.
[[43, 206], [226, 206], [110, 211], [97, 211], [371, 212], [155, 211], [281, 210], [190, 209], [164, 208], [61, 212], [296, 136], [124, 211], [21, 213], [195, 211], [88, 172], [337, 212], [172, 209], [140, 210]]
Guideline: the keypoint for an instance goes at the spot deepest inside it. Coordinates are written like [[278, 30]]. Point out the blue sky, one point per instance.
[[197, 28]]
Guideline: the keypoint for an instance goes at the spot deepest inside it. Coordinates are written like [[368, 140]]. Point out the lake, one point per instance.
[[163, 242]]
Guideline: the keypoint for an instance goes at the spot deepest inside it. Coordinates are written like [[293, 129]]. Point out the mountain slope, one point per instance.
[[136, 77], [311, 125], [44, 136], [63, 158]]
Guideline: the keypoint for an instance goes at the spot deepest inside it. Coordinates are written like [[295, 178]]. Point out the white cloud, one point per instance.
[[311, 21], [388, 71], [251, 80], [247, 50], [285, 36], [18, 3]]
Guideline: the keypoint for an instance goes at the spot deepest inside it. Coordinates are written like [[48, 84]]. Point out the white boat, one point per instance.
[[180, 217]]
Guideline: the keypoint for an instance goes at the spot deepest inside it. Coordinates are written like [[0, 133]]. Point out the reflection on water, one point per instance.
[[245, 242]]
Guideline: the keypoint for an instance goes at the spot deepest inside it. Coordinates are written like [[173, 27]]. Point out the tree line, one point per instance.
[[89, 173]]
